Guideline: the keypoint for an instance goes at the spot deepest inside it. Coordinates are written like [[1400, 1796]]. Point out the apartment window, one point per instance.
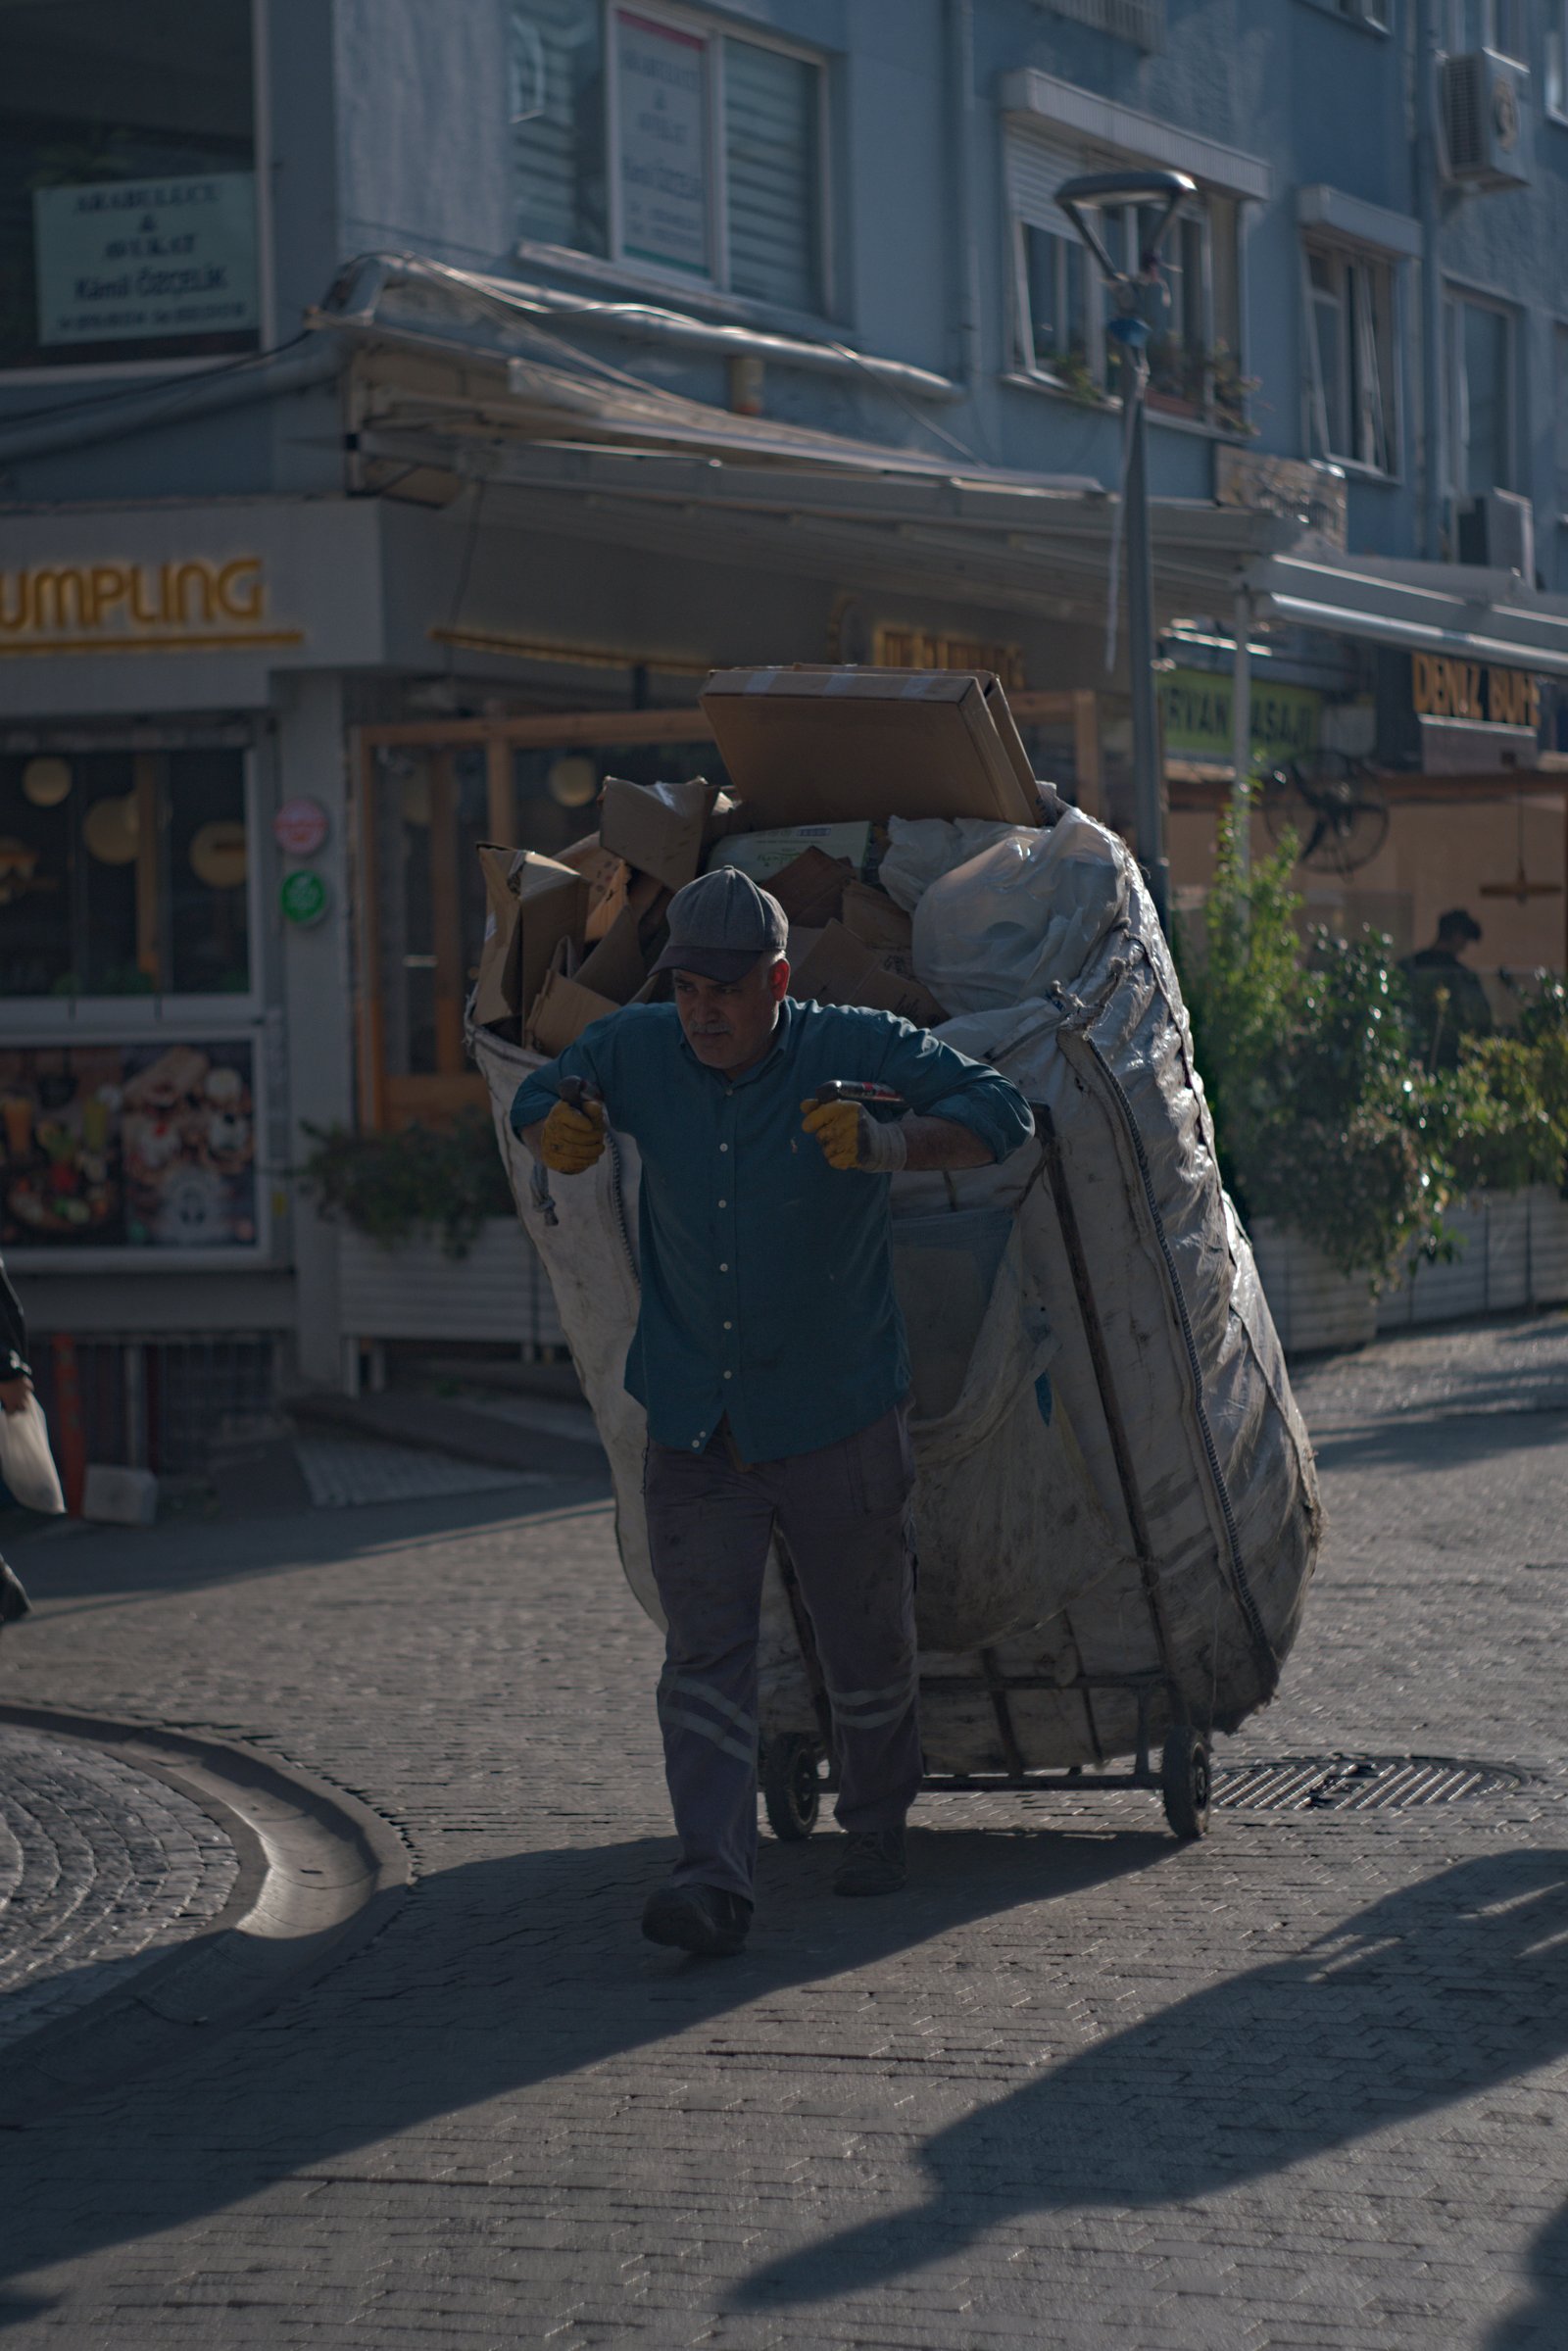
[[127, 183], [1057, 303], [1191, 311], [652, 138], [1557, 59], [1481, 387], [1488, 25], [123, 873], [1352, 346]]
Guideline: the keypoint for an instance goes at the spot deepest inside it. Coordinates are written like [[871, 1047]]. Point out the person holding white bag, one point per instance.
[[16, 1397]]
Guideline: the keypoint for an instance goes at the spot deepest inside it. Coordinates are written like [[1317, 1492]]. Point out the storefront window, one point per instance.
[[127, 181], [431, 805], [123, 873], [135, 1147]]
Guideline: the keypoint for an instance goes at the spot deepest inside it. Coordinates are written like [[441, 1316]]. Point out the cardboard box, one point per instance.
[[561, 1010], [841, 970], [822, 746], [658, 829], [811, 890], [533, 904], [616, 964], [872, 916], [609, 879], [764, 854]]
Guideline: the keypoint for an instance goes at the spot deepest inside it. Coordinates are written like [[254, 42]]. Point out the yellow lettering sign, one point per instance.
[[187, 605], [1442, 687]]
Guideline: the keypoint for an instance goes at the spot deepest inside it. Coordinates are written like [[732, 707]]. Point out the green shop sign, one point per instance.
[[1196, 709], [304, 898]]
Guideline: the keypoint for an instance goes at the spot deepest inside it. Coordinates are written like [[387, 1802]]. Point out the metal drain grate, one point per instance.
[[1355, 1783]]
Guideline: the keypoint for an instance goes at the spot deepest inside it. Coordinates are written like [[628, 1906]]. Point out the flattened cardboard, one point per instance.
[[497, 989], [822, 746], [608, 878], [661, 832], [534, 903], [561, 1010], [841, 970], [872, 916], [619, 964], [766, 853], [553, 905], [811, 888]]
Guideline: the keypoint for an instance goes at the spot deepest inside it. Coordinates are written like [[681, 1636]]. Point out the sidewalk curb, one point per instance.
[[320, 1874]]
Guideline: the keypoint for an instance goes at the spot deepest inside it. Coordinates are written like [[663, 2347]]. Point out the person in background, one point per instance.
[[16, 1386], [1447, 1001]]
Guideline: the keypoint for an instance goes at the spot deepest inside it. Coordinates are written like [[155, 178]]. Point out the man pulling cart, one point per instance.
[[769, 1356]]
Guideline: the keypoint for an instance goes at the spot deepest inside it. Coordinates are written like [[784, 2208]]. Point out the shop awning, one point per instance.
[[474, 377], [1459, 608]]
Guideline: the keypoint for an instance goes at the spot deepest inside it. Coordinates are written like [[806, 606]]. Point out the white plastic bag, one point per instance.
[[922, 848], [1028, 910], [27, 1464]]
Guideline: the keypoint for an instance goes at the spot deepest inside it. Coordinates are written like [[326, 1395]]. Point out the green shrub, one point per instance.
[[1323, 1118], [412, 1179]]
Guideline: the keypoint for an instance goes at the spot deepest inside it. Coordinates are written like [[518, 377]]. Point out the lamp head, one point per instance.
[[1094, 188]]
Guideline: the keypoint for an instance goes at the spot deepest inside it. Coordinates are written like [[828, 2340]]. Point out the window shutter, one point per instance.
[[558, 108], [1037, 167], [770, 137]]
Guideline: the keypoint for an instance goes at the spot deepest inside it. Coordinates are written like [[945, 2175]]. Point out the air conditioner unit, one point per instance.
[[1499, 530], [1484, 101]]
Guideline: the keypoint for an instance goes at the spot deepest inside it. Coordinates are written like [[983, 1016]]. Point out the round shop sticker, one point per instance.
[[304, 899], [300, 827]]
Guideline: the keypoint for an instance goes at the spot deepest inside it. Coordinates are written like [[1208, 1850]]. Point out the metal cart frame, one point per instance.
[[791, 1765]]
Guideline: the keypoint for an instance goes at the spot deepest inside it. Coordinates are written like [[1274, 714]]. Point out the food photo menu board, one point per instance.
[[135, 1147]]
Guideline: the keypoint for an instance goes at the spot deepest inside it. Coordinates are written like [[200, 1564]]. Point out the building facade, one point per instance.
[[401, 408]]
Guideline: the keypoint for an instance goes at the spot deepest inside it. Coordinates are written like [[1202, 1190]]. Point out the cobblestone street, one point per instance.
[[1306, 2084]]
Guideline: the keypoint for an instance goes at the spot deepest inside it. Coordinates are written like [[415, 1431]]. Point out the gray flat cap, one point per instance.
[[720, 924]]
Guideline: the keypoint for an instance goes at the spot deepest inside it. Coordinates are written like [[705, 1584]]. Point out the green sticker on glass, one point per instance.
[[304, 898]]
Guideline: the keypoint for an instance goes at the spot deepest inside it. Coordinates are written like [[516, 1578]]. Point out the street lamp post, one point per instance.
[[1080, 199]]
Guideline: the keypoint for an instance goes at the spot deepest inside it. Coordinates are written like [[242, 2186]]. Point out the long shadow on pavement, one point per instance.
[[494, 1977], [1428, 1996], [89, 1569]]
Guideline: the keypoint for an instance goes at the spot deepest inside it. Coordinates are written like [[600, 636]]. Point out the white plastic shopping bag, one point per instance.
[[27, 1464]]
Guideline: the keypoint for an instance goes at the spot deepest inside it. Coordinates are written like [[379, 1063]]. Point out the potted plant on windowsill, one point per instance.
[[431, 1247]]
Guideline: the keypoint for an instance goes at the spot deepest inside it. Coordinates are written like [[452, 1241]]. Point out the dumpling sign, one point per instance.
[[137, 261]]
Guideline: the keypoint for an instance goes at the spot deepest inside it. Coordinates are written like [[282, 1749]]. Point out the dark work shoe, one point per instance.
[[873, 1865], [697, 1918], [14, 1600]]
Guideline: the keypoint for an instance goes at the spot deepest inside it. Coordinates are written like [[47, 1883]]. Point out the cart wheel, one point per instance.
[[1184, 1781], [791, 1788]]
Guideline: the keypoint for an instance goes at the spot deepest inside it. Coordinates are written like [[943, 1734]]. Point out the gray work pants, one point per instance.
[[843, 1511]]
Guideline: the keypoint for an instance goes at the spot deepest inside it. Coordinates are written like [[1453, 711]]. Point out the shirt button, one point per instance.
[[724, 1268], [724, 1147], [729, 1375], [723, 1203], [696, 1445]]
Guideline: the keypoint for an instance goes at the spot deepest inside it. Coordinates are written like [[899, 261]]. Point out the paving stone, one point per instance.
[[1079, 2087], [102, 1869]]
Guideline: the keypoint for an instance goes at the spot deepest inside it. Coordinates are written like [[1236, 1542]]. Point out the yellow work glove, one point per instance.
[[572, 1139], [851, 1139]]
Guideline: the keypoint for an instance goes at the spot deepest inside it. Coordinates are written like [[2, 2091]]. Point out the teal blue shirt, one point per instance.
[[766, 1275]]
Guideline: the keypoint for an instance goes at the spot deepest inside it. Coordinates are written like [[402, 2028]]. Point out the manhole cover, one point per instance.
[[1355, 1783]]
